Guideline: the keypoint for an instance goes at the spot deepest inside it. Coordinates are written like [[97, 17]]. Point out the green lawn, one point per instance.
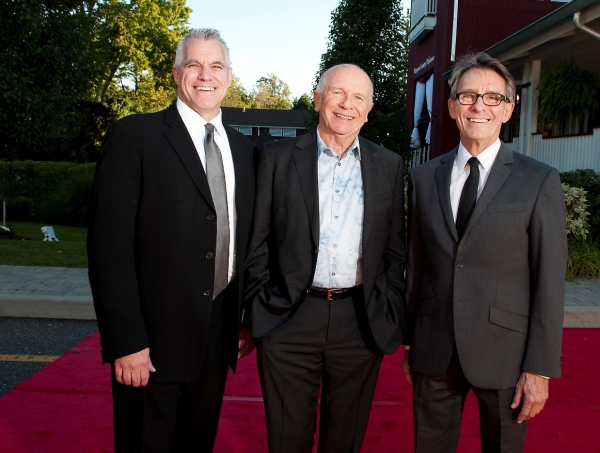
[[33, 251]]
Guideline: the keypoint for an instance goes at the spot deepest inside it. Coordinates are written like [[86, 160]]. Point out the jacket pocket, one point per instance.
[[509, 319], [507, 207], [425, 307]]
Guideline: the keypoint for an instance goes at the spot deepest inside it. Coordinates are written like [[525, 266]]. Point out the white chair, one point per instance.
[[49, 234]]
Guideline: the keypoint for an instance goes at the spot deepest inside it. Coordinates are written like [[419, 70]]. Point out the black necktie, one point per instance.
[[218, 190], [468, 198]]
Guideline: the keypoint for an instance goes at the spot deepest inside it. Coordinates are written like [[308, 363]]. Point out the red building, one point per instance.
[[442, 31]]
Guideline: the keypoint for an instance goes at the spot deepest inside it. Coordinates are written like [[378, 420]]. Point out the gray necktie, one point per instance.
[[216, 181]]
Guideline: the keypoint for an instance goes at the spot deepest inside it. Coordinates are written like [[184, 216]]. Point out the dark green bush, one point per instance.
[[28, 185], [588, 180], [70, 203]]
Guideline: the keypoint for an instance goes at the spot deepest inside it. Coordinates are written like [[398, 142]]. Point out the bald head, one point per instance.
[[349, 68]]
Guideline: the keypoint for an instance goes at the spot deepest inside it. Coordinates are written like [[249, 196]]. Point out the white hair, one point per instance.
[[205, 34]]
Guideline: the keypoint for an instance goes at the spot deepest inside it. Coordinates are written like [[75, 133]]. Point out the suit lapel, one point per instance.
[[498, 174], [180, 139], [369, 166], [442, 177], [305, 158]]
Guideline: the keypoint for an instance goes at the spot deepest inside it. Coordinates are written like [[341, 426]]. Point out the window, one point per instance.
[[289, 132], [276, 132], [245, 130]]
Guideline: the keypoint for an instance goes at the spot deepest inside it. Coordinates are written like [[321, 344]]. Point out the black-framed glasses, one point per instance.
[[470, 98]]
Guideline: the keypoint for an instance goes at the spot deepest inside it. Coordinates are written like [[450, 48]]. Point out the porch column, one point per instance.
[[529, 106]]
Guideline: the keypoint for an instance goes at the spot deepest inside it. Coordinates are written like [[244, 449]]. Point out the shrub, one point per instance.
[[577, 214], [590, 181], [584, 259], [26, 185], [70, 203]]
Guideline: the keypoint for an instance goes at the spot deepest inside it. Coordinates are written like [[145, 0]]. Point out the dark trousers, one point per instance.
[[174, 416], [321, 344], [438, 406]]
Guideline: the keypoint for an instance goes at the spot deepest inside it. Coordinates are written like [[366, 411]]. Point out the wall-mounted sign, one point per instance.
[[424, 64]]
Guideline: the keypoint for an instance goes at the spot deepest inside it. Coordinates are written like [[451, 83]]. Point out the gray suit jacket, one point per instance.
[[283, 249], [499, 293]]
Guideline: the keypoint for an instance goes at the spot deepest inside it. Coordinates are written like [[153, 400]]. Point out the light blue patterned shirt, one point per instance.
[[341, 211]]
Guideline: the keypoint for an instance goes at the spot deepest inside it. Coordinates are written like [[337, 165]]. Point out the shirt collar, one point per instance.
[[321, 146], [194, 121], [486, 157]]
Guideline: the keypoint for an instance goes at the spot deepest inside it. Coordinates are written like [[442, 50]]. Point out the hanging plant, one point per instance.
[[567, 91]]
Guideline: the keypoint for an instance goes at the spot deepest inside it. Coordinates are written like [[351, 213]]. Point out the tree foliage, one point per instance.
[[303, 102], [374, 36], [237, 96], [58, 57], [271, 92]]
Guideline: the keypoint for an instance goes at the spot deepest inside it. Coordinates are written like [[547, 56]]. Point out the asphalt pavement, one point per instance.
[[28, 345]]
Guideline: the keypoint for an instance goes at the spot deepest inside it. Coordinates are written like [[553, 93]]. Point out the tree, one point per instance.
[[135, 43], [54, 54], [303, 102], [237, 96], [271, 92], [42, 74], [374, 36]]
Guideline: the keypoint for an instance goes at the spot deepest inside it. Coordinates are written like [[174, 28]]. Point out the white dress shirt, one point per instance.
[[196, 126], [461, 170]]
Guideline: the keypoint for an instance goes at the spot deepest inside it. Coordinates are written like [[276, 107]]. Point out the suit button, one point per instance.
[[209, 256], [211, 217], [207, 292], [460, 264]]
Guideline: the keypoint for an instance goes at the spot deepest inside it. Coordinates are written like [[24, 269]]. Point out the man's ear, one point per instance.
[[176, 75], [316, 98]]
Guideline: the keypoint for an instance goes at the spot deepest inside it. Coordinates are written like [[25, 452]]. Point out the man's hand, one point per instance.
[[406, 367], [533, 390], [246, 343], [134, 369]]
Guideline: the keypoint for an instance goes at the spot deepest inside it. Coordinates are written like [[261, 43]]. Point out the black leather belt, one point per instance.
[[333, 293]]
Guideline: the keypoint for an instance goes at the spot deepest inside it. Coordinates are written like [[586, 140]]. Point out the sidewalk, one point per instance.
[[59, 292]]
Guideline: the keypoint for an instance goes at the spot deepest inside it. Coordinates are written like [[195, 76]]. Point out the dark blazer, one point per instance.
[[499, 293], [152, 226], [283, 249]]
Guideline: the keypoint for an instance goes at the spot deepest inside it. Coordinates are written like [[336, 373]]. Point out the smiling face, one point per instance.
[[343, 104], [480, 124], [203, 77]]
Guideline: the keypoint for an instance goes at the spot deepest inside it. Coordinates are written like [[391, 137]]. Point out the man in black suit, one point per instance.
[[325, 270], [486, 269], [172, 206]]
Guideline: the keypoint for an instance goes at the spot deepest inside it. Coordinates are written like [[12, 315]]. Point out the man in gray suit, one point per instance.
[[485, 278]]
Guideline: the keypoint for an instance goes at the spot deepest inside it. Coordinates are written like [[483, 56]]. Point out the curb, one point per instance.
[[582, 317], [56, 307]]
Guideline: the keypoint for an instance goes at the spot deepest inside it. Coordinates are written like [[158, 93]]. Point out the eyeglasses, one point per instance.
[[470, 98]]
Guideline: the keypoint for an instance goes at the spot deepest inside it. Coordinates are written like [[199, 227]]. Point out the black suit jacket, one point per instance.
[[148, 242], [499, 293], [283, 249]]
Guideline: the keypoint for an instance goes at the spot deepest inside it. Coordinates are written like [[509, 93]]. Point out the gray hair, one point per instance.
[[205, 34], [481, 60], [326, 74]]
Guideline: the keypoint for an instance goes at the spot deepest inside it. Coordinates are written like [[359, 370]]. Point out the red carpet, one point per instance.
[[66, 407]]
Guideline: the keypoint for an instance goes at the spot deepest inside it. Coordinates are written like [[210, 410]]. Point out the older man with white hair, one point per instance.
[[325, 271]]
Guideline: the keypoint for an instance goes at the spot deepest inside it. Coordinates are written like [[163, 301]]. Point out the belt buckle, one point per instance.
[[329, 293]]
